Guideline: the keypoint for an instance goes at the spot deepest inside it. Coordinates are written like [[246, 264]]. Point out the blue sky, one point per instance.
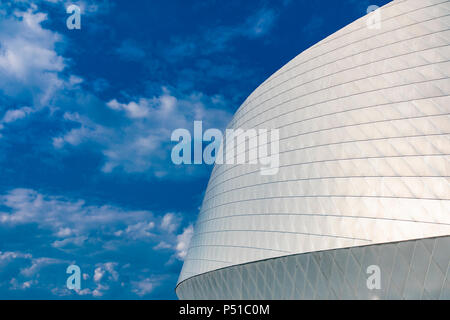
[[85, 122]]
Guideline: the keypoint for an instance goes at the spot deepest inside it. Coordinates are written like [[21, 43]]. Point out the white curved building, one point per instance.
[[364, 120]]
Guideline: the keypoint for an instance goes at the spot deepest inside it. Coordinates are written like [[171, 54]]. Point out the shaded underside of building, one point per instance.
[[364, 175]]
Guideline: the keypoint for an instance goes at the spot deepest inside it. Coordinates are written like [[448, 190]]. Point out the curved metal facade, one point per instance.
[[364, 120], [414, 269]]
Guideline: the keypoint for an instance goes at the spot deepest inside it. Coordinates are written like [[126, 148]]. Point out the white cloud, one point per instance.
[[23, 269], [59, 214], [160, 108], [162, 245], [16, 114], [133, 109], [74, 224], [30, 66], [143, 287], [38, 264], [103, 272], [143, 143], [170, 222], [16, 285], [87, 131], [260, 23], [98, 274], [76, 241], [64, 232], [29, 63], [8, 256], [137, 231], [99, 291], [183, 241]]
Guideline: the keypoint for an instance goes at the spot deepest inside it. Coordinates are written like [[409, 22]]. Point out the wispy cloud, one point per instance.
[[68, 220], [29, 63], [144, 286], [218, 38], [142, 143], [85, 126], [74, 218], [260, 23], [314, 24], [183, 241], [129, 50], [16, 114]]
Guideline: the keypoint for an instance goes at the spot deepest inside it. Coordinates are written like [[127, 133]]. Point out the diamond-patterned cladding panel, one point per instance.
[[364, 120], [415, 269]]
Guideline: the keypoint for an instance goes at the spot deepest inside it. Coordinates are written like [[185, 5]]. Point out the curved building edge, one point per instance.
[[412, 270]]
